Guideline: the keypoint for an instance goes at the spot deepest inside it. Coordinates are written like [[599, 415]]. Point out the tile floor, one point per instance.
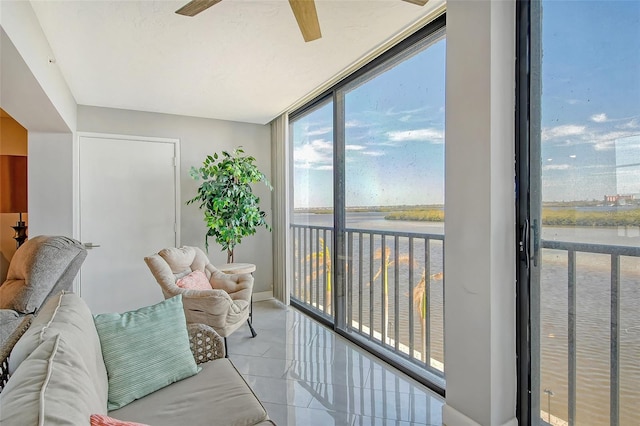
[[305, 374]]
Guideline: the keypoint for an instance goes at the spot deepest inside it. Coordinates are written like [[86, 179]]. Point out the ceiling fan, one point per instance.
[[303, 10]]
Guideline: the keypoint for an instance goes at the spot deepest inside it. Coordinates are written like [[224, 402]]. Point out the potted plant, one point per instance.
[[231, 209]]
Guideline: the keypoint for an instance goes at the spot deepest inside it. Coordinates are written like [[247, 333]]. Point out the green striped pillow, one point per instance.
[[144, 350]]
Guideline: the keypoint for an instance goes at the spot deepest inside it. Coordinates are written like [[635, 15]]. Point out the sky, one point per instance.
[[590, 99], [394, 122]]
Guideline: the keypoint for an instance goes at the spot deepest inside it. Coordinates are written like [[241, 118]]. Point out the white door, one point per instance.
[[128, 210]]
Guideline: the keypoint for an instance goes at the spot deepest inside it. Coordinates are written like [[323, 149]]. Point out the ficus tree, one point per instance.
[[231, 209]]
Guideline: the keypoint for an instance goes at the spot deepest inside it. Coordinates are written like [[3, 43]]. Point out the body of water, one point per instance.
[[593, 277]]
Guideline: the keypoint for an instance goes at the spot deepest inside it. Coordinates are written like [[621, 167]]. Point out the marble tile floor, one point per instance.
[[305, 374]]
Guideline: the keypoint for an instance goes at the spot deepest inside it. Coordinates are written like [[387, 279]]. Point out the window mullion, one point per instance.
[[339, 246]]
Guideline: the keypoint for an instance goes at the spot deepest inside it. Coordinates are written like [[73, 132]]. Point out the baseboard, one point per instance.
[[512, 422], [453, 417], [262, 295]]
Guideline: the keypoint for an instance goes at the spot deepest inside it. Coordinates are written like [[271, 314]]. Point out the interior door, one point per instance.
[[128, 209]]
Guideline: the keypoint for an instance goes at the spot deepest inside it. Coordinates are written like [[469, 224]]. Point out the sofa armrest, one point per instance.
[[205, 343], [7, 346]]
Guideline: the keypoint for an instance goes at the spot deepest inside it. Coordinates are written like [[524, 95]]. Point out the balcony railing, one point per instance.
[[394, 288], [391, 302], [592, 307]]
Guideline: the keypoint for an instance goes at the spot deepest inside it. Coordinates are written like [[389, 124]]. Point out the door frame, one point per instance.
[[76, 182], [528, 204]]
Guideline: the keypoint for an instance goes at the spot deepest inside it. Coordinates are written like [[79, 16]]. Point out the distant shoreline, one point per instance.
[[553, 214]]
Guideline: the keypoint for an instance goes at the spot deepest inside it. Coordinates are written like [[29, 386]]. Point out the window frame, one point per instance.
[[421, 39]]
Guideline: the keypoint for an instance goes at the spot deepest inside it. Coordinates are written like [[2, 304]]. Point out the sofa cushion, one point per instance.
[[217, 395], [145, 350], [7, 344], [69, 315], [52, 387], [10, 320]]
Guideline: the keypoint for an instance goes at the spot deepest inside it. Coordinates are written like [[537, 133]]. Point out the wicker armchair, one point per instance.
[[224, 308]]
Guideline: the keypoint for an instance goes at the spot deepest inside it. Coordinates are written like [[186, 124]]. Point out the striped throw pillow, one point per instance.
[[144, 350], [102, 420]]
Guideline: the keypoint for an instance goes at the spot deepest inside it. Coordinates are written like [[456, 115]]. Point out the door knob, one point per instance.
[[91, 245]]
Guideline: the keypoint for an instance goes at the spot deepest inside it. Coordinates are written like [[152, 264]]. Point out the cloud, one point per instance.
[[429, 134], [599, 118], [556, 167], [320, 131], [373, 153], [391, 112], [631, 124], [351, 124], [562, 131], [607, 140], [604, 145], [354, 147], [316, 155]]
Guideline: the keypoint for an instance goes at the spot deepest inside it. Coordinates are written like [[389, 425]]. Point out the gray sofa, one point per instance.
[[42, 267], [59, 377]]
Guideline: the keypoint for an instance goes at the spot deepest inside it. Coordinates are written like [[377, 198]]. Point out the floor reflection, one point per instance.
[[307, 375]]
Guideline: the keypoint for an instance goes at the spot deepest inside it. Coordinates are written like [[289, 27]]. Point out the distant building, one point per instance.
[[619, 200]]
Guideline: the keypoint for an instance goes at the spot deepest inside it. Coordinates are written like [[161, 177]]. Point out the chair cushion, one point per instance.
[[52, 387], [196, 280], [178, 259], [145, 350]]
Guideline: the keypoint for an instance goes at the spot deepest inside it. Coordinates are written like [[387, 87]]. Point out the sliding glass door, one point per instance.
[[394, 205], [584, 212], [312, 217], [368, 198]]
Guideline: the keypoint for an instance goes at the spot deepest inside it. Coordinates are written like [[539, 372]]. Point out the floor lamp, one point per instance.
[[13, 197]]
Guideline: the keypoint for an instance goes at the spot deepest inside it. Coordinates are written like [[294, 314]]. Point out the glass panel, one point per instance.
[[394, 202], [312, 219], [589, 287]]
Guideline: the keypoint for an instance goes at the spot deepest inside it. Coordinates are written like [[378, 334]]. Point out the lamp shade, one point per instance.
[[13, 184]]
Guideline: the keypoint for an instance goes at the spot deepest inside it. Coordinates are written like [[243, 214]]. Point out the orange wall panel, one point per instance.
[[13, 141]]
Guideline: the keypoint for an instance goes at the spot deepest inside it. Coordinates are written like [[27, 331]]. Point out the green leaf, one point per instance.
[[231, 210]]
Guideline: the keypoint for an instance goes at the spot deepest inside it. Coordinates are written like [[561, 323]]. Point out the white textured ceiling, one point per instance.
[[240, 60]]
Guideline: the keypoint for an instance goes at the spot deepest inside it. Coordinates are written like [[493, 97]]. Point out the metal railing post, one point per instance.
[[615, 340], [571, 332]]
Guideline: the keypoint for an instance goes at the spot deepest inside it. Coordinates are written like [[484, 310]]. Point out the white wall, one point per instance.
[[200, 137], [23, 86], [50, 188], [480, 354]]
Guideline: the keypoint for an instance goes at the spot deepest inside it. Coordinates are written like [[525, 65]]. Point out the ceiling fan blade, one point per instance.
[[418, 2], [305, 13], [196, 6]]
